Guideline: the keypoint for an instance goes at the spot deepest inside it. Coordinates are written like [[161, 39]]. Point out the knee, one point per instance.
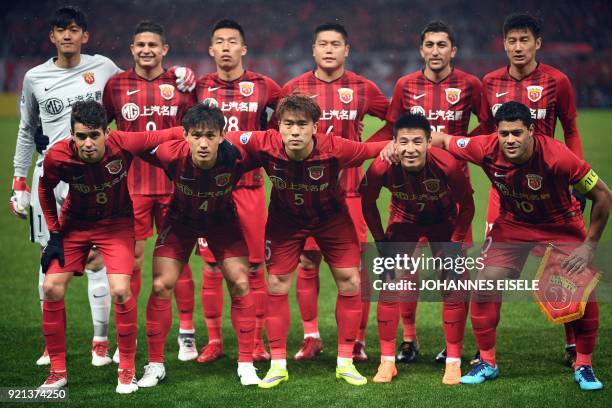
[[53, 290], [121, 294], [310, 259], [350, 283], [279, 284], [162, 288]]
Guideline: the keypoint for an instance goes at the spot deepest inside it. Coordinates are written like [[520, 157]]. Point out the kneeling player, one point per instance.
[[307, 201], [532, 175], [204, 171], [97, 211], [431, 198]]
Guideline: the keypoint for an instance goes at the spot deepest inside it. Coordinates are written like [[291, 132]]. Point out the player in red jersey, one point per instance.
[[548, 94], [307, 201], [145, 98], [97, 211], [204, 170], [345, 98], [432, 198], [447, 97], [532, 173], [244, 98]]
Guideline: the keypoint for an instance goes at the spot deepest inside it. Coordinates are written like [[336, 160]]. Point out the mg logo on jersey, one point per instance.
[[130, 111], [316, 172], [115, 166], [452, 95], [495, 107], [167, 91], [246, 88], [534, 92], [502, 187], [417, 110], [223, 179], [278, 182], [534, 181], [345, 94], [432, 185], [54, 106], [89, 77], [212, 102]]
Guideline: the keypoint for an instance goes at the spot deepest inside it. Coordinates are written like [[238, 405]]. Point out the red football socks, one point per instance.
[[408, 312], [243, 321], [348, 316], [183, 293], [454, 316], [307, 294], [159, 320], [126, 320], [54, 330], [278, 319], [212, 302], [388, 319], [257, 283]]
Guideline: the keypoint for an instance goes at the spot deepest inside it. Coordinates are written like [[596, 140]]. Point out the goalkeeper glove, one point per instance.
[[20, 197], [53, 250], [185, 78], [40, 140]]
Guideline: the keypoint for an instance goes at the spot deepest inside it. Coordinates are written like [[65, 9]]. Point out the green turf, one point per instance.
[[529, 348]]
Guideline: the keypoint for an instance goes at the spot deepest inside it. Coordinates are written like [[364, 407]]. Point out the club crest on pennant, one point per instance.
[[89, 77], [534, 181], [246, 88], [345, 94], [167, 91], [432, 185], [223, 179], [316, 172], [452, 95], [115, 166], [534, 93]]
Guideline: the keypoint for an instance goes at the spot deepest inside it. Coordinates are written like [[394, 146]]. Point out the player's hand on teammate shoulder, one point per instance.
[[53, 250], [185, 78], [580, 258], [20, 197], [389, 154]]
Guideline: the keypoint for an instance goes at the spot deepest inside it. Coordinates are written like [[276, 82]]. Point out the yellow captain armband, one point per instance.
[[587, 183]]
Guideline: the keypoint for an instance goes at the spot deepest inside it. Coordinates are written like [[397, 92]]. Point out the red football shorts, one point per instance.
[[508, 246], [251, 208], [354, 207], [413, 234], [149, 209], [336, 237], [114, 238], [177, 240]]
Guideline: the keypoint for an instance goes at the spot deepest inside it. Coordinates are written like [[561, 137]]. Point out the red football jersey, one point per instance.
[[96, 191], [437, 194], [199, 195], [304, 191], [137, 105], [243, 102], [548, 94], [534, 192], [446, 104], [344, 102]]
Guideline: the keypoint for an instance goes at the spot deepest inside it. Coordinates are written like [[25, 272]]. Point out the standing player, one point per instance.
[[345, 98], [145, 98], [307, 201], [204, 170], [546, 91], [532, 173], [49, 92], [97, 211], [446, 96], [244, 98], [432, 198]]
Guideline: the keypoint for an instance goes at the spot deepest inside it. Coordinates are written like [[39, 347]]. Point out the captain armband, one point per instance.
[[586, 184]]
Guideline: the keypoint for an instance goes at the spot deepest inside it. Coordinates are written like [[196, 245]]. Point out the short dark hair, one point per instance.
[[299, 103], [203, 116], [90, 113], [227, 23], [522, 21], [148, 26], [511, 111], [63, 16], [439, 26], [409, 120], [337, 27]]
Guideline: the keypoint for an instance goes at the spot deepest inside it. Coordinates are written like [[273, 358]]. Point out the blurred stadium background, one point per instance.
[[384, 36]]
